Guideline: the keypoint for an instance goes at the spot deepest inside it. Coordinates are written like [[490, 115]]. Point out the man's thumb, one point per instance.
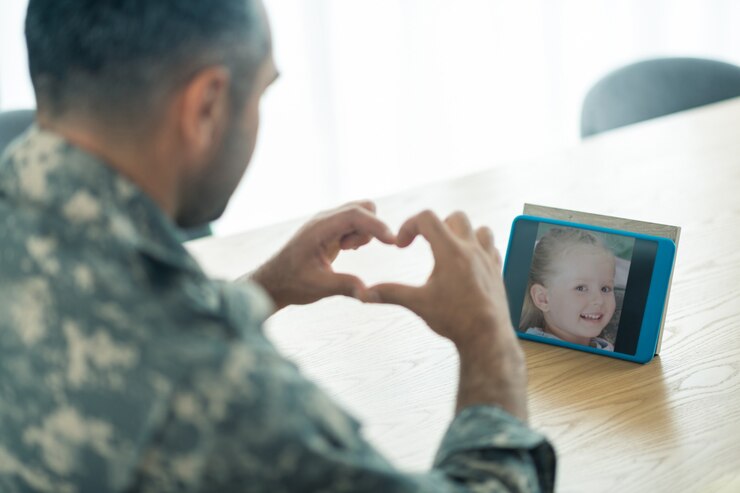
[[344, 284], [396, 294]]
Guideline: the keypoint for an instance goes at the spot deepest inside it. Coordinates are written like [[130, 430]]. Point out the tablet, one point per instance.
[[586, 287]]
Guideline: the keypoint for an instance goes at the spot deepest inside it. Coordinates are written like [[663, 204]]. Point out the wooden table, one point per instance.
[[672, 425]]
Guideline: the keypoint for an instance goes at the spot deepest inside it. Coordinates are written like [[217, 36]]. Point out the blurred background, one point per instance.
[[378, 96]]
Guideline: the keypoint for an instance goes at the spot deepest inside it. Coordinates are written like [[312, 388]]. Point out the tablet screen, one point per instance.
[[578, 285]]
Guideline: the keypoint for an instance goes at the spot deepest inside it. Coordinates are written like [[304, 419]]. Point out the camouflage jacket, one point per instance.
[[123, 367]]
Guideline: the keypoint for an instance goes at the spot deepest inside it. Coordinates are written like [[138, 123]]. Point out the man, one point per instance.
[[122, 366]]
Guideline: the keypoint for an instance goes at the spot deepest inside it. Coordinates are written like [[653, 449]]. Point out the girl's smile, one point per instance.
[[578, 300]]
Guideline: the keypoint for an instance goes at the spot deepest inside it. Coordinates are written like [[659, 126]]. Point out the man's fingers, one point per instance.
[[459, 223], [428, 225], [354, 241], [392, 293], [497, 256], [365, 204], [342, 284], [357, 220], [486, 240], [485, 237], [368, 205]]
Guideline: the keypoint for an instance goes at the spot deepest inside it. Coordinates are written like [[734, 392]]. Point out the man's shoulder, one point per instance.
[[94, 344], [104, 316], [41, 249]]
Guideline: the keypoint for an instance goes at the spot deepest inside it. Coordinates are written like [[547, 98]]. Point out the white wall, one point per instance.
[[379, 95], [15, 83]]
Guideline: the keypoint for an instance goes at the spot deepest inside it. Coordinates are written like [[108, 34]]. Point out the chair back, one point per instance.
[[653, 88], [13, 124]]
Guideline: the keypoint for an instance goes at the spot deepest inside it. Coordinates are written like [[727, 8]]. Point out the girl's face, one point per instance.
[[578, 301]]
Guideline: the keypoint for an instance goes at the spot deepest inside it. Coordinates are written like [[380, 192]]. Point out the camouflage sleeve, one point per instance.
[[249, 421], [256, 425], [488, 447]]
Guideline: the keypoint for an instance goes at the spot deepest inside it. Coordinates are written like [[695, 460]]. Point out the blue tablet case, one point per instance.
[[665, 236]]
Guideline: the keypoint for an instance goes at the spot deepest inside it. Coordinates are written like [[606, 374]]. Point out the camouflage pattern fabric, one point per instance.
[[123, 367]]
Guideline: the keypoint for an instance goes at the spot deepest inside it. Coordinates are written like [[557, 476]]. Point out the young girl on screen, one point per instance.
[[570, 293]]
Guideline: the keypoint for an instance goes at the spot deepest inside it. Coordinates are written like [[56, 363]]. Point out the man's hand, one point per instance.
[[464, 300], [464, 294], [301, 272]]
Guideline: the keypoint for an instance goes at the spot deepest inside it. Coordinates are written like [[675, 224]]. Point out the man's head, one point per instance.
[[187, 72]]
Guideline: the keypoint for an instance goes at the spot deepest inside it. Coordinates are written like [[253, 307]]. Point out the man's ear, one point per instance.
[[204, 110], [538, 292]]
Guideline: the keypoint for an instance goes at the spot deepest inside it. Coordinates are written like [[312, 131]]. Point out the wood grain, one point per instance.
[[633, 225], [671, 425]]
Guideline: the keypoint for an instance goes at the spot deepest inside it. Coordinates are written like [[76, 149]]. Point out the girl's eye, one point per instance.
[[581, 288], [606, 289]]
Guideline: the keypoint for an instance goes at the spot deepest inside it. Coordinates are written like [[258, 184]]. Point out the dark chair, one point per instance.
[[14, 123], [197, 233], [654, 88]]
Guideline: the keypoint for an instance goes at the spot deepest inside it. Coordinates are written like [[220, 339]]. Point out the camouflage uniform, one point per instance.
[[124, 368]]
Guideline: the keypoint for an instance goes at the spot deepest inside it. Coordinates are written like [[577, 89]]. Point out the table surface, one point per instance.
[[670, 425]]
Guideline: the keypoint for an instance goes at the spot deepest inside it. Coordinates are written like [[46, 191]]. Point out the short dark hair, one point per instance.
[[124, 56]]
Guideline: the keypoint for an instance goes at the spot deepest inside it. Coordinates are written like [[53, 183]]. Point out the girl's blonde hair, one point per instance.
[[552, 244]]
